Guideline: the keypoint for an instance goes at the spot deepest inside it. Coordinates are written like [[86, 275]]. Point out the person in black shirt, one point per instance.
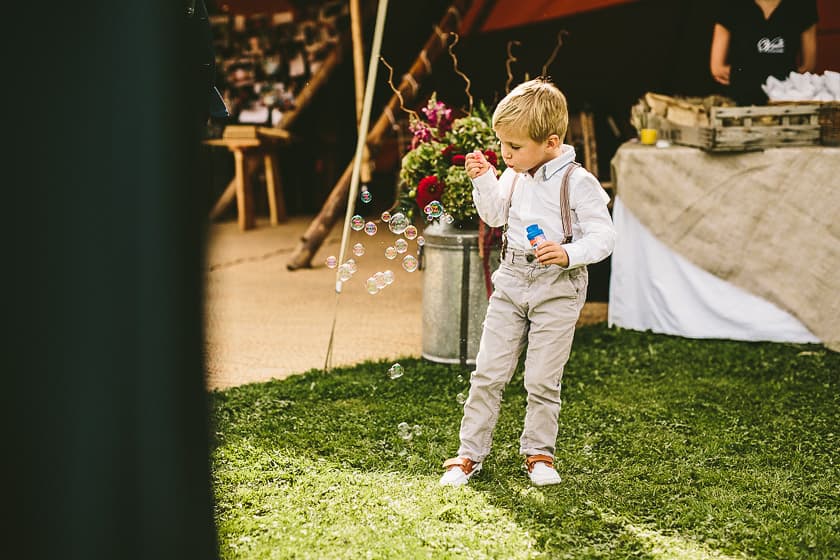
[[754, 39]]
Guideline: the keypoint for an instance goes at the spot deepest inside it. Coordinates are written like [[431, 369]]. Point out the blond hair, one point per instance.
[[536, 107]]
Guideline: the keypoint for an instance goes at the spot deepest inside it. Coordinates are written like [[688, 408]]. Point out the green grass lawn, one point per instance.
[[668, 448]]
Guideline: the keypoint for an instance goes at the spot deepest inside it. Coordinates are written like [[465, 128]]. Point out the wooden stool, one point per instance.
[[245, 149]]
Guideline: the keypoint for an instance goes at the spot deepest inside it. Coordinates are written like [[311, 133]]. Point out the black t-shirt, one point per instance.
[[760, 47]]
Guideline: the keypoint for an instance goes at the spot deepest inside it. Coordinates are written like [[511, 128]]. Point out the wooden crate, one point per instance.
[[739, 129]]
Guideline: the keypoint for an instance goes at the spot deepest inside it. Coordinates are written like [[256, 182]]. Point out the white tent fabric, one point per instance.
[[654, 288]]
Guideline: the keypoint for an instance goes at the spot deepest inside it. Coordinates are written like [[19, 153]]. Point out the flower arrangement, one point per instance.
[[433, 169]]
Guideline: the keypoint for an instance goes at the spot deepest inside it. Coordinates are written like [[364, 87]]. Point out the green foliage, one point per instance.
[[458, 200], [437, 138], [668, 448]]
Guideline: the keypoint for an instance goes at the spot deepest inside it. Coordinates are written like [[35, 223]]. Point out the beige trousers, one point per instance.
[[535, 306]]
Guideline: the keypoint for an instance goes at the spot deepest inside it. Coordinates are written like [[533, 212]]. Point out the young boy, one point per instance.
[[538, 293]]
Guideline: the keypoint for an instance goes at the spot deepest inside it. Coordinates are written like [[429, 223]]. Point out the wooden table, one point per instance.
[[248, 152]]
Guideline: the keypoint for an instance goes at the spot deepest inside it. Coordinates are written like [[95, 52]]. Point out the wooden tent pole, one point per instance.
[[408, 88], [359, 77]]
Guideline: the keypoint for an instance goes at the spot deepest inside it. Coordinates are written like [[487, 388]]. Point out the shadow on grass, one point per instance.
[[668, 447]]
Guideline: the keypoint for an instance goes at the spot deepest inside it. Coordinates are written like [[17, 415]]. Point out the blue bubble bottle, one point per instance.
[[535, 235]]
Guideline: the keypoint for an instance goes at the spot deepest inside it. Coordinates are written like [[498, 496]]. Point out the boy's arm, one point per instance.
[[589, 201], [490, 195]]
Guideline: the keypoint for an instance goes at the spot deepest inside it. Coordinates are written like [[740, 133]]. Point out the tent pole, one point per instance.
[[359, 77]]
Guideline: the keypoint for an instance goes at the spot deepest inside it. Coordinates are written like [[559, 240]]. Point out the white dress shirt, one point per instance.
[[536, 200]]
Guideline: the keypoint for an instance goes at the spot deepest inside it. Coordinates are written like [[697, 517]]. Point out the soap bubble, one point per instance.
[[379, 278], [398, 223], [358, 249], [448, 218], [344, 273], [416, 430], [409, 263], [410, 232], [351, 264], [391, 252], [421, 241], [435, 209], [365, 195], [370, 228], [386, 216], [460, 379], [401, 245], [371, 286], [332, 262], [427, 209], [389, 277], [396, 371], [404, 430], [357, 222], [461, 398]]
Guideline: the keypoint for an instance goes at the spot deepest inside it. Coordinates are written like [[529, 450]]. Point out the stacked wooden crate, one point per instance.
[[716, 125]]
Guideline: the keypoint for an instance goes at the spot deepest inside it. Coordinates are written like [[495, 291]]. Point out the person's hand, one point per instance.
[[476, 164], [721, 74], [551, 252]]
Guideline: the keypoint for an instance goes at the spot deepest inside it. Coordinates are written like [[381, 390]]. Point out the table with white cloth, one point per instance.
[[742, 246]]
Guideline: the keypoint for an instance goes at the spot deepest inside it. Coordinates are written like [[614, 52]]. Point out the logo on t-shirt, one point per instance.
[[775, 45]]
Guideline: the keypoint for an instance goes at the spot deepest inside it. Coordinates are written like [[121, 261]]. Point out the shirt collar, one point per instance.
[[549, 168]]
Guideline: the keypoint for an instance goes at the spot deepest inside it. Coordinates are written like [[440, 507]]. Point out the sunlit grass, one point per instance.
[[668, 448]]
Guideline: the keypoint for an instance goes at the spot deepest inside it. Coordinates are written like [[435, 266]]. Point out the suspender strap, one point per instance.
[[507, 213], [565, 208]]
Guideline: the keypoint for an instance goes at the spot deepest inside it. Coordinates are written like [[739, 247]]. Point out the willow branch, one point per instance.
[[412, 114], [457, 71], [554, 53], [510, 59]]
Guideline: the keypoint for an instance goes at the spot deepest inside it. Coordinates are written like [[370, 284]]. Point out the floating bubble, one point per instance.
[[351, 264], [396, 371], [358, 249], [371, 286], [416, 430], [435, 209], [332, 262], [379, 278], [460, 379], [461, 398], [410, 232], [391, 252], [448, 218], [370, 228], [427, 209], [398, 223], [386, 216], [389, 277], [357, 222], [404, 430], [365, 195], [401, 245], [421, 241], [409, 263], [344, 273]]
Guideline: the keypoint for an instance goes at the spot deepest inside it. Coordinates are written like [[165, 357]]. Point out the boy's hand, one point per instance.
[[476, 164], [551, 252]]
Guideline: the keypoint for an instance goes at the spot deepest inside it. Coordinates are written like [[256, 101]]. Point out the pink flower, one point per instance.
[[438, 115], [428, 189], [422, 133]]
